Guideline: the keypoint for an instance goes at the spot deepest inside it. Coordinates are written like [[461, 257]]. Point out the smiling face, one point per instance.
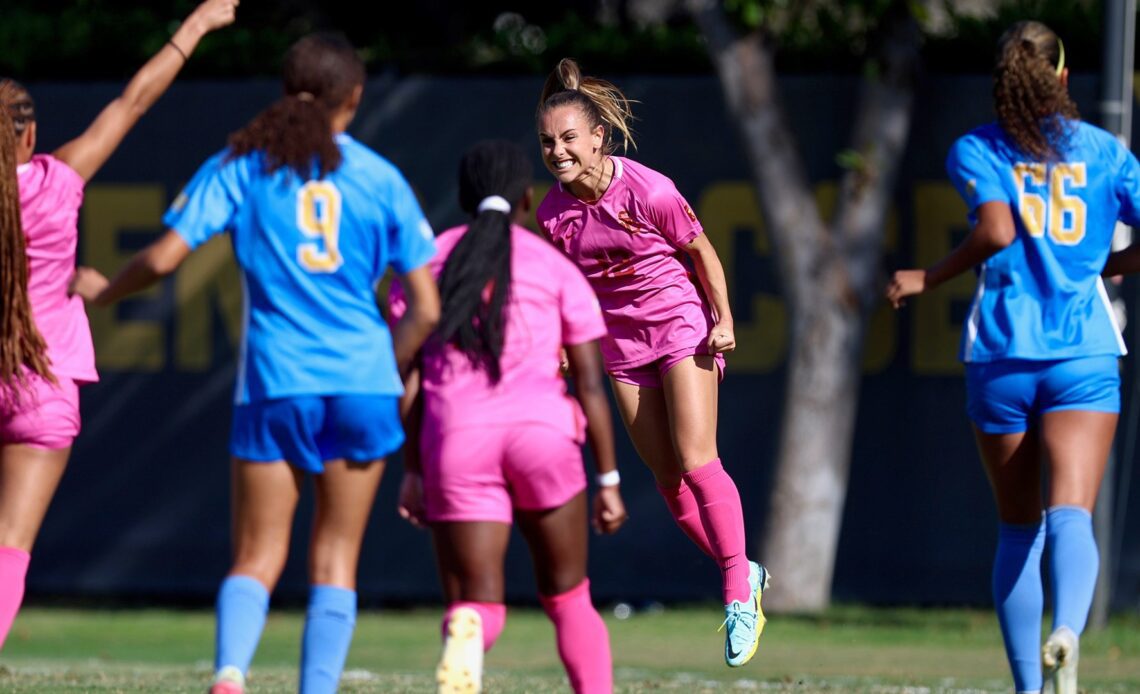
[[571, 149]]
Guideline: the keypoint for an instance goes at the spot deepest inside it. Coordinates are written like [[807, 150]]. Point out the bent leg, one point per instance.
[[1012, 465], [29, 477], [646, 419], [558, 540], [690, 389], [345, 492], [470, 557]]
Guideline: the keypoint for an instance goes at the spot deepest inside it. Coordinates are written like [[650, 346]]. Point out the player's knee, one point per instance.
[[265, 567], [696, 457], [16, 539], [482, 587], [561, 580]]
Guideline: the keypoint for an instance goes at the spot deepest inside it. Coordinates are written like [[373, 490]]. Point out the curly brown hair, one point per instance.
[[21, 344], [602, 102], [321, 71], [1033, 106]]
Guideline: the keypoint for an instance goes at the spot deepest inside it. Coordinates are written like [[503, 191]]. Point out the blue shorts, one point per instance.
[[1007, 396], [308, 430]]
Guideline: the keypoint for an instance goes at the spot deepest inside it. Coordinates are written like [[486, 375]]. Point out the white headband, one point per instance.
[[496, 203]]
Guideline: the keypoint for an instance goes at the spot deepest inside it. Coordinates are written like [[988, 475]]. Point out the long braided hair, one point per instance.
[[22, 347], [472, 321]]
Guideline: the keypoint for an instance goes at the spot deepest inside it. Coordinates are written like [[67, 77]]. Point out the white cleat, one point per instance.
[[460, 669], [1059, 656], [228, 680]]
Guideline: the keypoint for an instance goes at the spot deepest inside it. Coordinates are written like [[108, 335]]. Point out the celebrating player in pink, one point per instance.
[[39, 394], [500, 436], [631, 232]]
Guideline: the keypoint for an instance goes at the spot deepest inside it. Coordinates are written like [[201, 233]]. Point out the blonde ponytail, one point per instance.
[[602, 102]]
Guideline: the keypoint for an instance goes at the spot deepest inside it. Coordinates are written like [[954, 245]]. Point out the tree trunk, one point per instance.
[[830, 276]]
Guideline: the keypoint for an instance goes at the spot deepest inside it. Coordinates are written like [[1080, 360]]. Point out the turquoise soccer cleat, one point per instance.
[[744, 622]]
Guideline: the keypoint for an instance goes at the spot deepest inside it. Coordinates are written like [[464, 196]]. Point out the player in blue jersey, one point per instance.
[[1044, 192], [315, 219]]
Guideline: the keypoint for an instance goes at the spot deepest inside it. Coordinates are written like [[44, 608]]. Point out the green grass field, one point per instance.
[[677, 650]]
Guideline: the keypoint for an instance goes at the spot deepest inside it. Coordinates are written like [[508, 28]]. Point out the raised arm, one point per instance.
[[994, 231], [87, 153]]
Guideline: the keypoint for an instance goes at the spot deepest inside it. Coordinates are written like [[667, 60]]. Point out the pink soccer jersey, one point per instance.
[[50, 196], [629, 243], [550, 305]]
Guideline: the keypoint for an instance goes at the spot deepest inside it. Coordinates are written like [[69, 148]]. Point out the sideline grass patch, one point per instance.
[[848, 649]]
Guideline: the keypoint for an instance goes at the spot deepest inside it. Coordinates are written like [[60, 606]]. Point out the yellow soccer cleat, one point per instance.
[[460, 669], [743, 623]]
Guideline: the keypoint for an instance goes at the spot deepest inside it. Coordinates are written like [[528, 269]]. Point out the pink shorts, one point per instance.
[[46, 415], [484, 473], [650, 375]]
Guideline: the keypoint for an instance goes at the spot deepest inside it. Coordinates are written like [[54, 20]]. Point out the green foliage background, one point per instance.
[[109, 39]]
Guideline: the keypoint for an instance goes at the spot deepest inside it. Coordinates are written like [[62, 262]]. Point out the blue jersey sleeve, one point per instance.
[[209, 202], [1128, 186], [411, 242], [970, 165]]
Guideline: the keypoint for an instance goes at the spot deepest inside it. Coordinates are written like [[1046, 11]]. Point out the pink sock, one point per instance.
[[719, 503], [493, 614], [683, 505], [583, 642], [13, 570]]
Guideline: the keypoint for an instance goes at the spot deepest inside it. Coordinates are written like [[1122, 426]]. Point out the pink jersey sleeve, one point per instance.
[[671, 214], [444, 243], [581, 314]]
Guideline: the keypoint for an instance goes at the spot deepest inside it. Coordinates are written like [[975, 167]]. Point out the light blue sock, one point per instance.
[[1073, 565], [1019, 599], [242, 605], [328, 633]]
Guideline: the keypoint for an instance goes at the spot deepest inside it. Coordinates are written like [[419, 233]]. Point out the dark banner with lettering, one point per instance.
[[144, 508]]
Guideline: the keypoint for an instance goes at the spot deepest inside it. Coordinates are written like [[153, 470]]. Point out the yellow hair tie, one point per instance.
[[1061, 57]]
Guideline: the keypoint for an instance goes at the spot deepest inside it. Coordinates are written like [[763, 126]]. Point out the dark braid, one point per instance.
[[482, 258]]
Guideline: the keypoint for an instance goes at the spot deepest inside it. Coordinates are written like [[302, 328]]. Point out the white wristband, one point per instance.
[[608, 479]]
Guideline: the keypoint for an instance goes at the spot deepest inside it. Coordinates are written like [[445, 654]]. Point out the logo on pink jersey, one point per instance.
[[633, 226]]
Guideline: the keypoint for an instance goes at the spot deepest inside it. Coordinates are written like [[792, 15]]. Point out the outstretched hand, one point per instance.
[[609, 510], [87, 282], [905, 283]]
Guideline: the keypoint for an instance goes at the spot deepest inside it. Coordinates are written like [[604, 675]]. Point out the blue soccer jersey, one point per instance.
[[311, 254], [1042, 297]]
